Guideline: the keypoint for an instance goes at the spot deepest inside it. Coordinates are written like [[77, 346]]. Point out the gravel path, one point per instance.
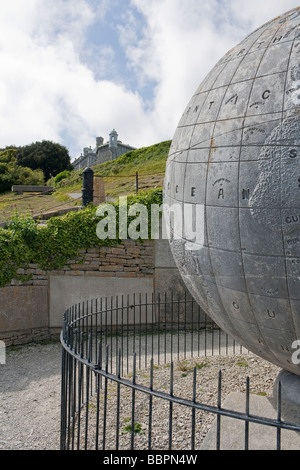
[[30, 393], [30, 398], [235, 370]]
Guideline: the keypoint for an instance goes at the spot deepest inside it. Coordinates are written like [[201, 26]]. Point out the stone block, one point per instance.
[[66, 291], [23, 307]]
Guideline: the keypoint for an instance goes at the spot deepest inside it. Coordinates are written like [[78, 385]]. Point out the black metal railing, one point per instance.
[[113, 350]]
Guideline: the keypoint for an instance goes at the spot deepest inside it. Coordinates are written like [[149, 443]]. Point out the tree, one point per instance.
[[12, 173], [50, 157]]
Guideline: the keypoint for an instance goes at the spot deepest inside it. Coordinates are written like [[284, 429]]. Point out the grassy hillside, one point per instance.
[[119, 177], [120, 174]]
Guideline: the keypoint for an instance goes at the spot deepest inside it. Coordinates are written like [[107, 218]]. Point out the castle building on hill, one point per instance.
[[103, 152]]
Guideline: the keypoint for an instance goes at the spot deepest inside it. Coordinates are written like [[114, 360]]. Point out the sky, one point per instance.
[[73, 70]]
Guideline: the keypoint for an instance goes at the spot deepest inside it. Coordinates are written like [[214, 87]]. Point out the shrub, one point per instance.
[[62, 175], [23, 242], [12, 173]]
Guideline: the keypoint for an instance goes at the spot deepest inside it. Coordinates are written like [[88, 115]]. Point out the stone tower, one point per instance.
[[113, 139]]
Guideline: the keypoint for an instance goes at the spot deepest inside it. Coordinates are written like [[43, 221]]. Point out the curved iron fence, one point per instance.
[[113, 349]]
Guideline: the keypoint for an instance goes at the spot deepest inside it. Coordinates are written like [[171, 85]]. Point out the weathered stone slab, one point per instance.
[[66, 291], [23, 307]]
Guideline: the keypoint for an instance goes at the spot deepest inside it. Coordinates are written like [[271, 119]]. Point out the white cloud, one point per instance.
[[47, 91], [183, 41]]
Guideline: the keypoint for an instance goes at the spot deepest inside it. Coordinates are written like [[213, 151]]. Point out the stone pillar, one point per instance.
[[99, 190], [87, 186]]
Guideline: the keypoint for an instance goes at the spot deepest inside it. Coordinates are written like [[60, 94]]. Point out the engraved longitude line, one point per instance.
[[180, 152], [238, 184]]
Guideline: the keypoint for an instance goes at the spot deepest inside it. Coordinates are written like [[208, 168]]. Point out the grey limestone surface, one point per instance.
[[260, 437], [234, 172]]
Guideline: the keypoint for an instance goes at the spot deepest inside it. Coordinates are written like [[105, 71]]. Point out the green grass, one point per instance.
[[242, 363], [119, 174], [137, 428], [119, 178]]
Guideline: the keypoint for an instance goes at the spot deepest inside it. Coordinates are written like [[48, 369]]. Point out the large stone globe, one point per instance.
[[232, 192]]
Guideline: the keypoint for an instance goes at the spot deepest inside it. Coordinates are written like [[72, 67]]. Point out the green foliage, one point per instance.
[[137, 429], [201, 365], [50, 247], [62, 175], [242, 363], [14, 254], [145, 159], [25, 226], [12, 173], [50, 157]]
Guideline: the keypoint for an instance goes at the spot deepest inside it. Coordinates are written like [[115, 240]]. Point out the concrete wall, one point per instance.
[[33, 310]]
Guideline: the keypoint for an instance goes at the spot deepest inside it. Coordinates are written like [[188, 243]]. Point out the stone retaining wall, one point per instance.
[[32, 310], [130, 259]]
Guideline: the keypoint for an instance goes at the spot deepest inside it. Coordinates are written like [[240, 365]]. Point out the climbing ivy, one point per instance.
[[25, 241]]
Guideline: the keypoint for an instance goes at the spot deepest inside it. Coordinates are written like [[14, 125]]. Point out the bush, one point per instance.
[[11, 173], [50, 247], [62, 175]]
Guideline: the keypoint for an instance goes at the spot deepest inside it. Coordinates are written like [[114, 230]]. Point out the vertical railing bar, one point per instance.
[[106, 320], [247, 413], [226, 342], [102, 336], [140, 328], [158, 323], [219, 407], [146, 329], [199, 325], [86, 327], [205, 335], [178, 327], [111, 333], [165, 328], [192, 330], [213, 340], [172, 317], [118, 402], [63, 404], [76, 365], [99, 364], [91, 332], [79, 321], [134, 323], [70, 404], [105, 400], [117, 331], [185, 324], [127, 349], [96, 329], [150, 406], [80, 385], [193, 410], [87, 385], [171, 405], [133, 403], [122, 334], [279, 403]]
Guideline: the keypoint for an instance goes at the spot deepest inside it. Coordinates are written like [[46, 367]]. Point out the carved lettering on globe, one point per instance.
[[236, 156]]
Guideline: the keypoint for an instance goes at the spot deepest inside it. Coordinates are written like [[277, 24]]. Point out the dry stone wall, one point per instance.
[[26, 307]]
